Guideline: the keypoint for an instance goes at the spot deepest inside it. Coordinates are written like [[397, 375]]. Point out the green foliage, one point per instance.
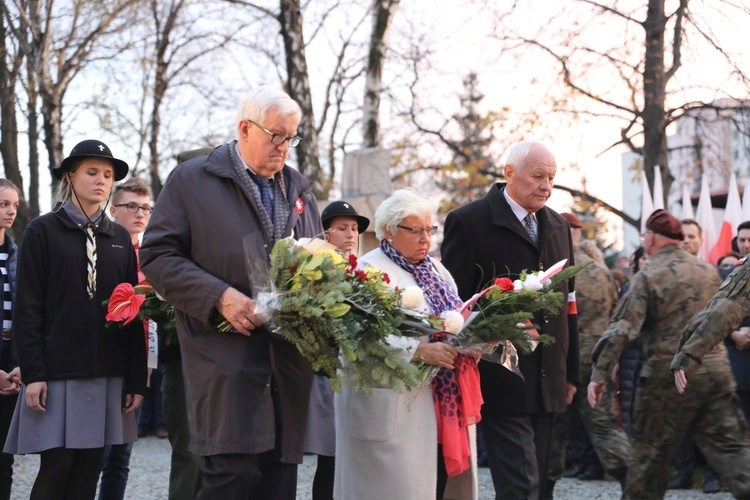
[[339, 318]]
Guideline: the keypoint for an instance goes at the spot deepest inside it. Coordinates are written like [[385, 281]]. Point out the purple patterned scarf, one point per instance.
[[438, 293]]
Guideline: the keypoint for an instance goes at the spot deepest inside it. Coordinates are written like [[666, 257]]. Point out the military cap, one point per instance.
[[572, 220], [665, 224]]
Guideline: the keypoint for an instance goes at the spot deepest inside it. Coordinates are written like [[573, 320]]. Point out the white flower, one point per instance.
[[532, 284], [412, 298], [453, 321], [517, 286]]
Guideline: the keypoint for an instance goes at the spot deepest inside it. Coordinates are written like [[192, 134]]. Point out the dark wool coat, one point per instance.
[[192, 251], [58, 332], [483, 240]]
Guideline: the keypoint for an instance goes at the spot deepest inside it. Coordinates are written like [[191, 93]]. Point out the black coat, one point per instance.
[[485, 239], [58, 332]]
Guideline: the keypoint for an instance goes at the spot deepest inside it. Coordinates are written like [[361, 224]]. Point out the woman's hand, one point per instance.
[[132, 402], [36, 396], [436, 353], [10, 383]]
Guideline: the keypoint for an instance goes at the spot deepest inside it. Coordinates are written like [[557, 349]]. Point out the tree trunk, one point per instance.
[[9, 69], [298, 87], [654, 92], [160, 87], [33, 117], [384, 10]]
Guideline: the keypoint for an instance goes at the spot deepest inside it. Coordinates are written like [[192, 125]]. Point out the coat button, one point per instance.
[[544, 373], [541, 266], [546, 319]]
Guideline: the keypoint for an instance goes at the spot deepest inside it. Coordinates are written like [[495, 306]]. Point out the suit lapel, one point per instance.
[[502, 214], [547, 225]]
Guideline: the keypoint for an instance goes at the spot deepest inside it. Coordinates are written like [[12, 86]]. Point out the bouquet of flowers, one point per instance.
[[501, 314], [334, 313], [128, 302]]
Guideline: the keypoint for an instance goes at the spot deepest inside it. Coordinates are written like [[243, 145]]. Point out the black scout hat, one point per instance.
[[663, 223], [91, 149], [343, 209]]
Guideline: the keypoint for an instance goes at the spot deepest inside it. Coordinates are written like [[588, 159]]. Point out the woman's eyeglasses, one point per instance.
[[419, 230]]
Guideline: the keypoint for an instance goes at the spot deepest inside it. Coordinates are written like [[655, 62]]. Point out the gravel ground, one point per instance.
[[149, 476]]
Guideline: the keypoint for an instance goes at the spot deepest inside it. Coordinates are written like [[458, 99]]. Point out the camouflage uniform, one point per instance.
[[596, 297], [728, 443], [662, 299]]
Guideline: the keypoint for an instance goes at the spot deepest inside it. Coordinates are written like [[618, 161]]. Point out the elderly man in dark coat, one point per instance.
[[247, 391], [507, 231]]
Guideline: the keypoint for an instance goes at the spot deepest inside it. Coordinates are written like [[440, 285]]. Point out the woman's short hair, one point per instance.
[[260, 101], [398, 206]]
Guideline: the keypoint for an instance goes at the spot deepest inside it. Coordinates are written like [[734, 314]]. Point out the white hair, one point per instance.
[[519, 151], [398, 206], [260, 101]]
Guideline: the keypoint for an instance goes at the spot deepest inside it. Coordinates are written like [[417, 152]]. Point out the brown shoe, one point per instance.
[[162, 433]]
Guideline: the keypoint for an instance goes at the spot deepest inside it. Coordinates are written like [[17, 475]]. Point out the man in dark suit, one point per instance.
[[507, 231]]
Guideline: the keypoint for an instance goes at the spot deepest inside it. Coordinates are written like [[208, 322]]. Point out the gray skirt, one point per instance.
[[320, 437], [80, 414]]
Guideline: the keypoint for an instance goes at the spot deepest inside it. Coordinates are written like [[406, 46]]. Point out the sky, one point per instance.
[[459, 41]]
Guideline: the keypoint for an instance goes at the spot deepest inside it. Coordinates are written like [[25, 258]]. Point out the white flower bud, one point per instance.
[[412, 298], [453, 321]]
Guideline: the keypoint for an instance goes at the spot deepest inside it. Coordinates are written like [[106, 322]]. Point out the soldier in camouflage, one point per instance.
[[661, 300], [596, 297], [724, 436]]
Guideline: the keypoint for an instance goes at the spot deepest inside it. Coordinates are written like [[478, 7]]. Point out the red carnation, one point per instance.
[[124, 304], [352, 260], [360, 274], [386, 278], [504, 284]]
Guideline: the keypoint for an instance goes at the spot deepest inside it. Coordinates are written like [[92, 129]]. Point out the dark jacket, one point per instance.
[[204, 224], [58, 332], [11, 265], [484, 239]]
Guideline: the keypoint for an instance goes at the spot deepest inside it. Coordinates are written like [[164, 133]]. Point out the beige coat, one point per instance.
[[386, 443]]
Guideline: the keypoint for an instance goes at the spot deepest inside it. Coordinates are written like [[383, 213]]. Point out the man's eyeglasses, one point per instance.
[[278, 139], [643, 235], [134, 207], [419, 230]]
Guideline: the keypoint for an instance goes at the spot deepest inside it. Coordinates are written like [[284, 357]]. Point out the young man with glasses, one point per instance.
[[131, 208]]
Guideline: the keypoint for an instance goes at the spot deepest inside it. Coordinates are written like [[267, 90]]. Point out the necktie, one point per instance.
[[266, 190], [91, 260], [528, 224]]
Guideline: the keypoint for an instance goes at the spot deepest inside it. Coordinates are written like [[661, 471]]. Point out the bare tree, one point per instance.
[[178, 48], [11, 63], [57, 58], [630, 77], [382, 16]]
